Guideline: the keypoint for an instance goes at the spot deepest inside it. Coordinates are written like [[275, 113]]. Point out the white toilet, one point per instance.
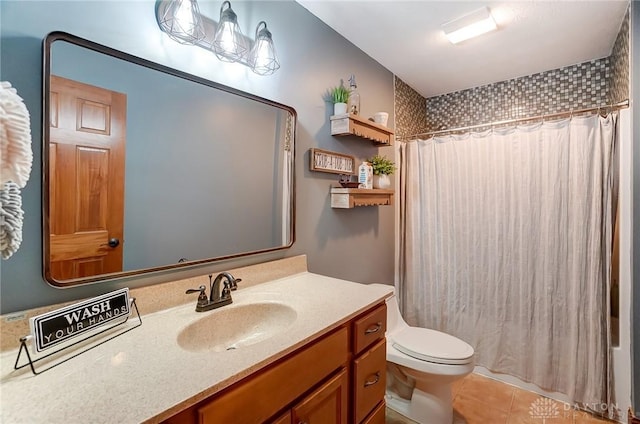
[[421, 365]]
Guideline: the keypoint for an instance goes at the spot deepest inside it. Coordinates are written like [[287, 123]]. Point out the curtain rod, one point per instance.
[[621, 105]]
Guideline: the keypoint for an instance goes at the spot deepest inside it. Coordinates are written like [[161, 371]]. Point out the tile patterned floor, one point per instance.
[[481, 400]]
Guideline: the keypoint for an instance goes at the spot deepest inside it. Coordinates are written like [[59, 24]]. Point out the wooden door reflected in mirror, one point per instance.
[[86, 188]]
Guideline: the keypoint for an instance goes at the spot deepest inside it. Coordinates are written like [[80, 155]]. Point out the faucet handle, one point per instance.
[[233, 283], [200, 289], [226, 291], [202, 297]]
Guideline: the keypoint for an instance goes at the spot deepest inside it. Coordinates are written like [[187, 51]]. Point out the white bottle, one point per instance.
[[365, 175]]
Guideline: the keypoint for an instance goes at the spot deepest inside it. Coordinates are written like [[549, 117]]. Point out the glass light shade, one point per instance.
[[181, 21], [228, 42], [262, 57]]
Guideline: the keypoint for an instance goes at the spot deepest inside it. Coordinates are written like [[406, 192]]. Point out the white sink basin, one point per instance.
[[236, 326]]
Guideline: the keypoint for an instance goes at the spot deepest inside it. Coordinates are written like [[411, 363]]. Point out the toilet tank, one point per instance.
[[395, 322]]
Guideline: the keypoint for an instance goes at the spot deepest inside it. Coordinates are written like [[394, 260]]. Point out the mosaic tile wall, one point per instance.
[[573, 87], [410, 110], [589, 84], [619, 76]]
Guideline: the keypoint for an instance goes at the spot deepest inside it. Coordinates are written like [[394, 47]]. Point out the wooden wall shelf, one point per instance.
[[349, 124], [347, 198]]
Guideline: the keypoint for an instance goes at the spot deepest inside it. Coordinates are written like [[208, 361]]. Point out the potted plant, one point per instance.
[[382, 168], [340, 97]]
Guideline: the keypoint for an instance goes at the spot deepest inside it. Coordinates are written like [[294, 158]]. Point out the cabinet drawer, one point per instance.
[[377, 416], [261, 396], [369, 380], [369, 329]]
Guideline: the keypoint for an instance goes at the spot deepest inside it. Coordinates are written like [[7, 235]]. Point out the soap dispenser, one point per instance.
[[354, 96]]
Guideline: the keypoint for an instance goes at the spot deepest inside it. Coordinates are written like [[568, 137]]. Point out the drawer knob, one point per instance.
[[376, 378], [374, 328]]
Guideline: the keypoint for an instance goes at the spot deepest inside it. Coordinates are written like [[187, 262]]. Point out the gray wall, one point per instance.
[[635, 246], [352, 244]]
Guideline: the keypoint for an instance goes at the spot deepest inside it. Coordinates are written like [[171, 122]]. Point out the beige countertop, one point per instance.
[[144, 374]]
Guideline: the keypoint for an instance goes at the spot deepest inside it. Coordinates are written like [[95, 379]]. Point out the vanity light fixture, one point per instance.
[[262, 57], [470, 25], [228, 42], [181, 21]]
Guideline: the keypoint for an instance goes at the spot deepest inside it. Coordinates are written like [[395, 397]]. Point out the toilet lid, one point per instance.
[[432, 346]]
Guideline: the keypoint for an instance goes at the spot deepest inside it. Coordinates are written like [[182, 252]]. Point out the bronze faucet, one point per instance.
[[216, 298]]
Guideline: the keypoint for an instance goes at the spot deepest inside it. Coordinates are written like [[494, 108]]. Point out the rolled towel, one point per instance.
[[16, 156], [11, 215]]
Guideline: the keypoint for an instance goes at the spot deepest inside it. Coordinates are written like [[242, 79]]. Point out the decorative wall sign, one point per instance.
[[332, 162], [65, 323]]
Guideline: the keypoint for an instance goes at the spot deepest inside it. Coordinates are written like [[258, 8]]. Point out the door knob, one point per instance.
[[114, 242]]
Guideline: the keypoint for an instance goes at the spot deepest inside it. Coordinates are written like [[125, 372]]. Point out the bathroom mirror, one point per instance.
[[147, 168]]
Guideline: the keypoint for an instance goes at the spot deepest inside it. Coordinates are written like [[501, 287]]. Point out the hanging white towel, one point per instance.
[[11, 215], [16, 156]]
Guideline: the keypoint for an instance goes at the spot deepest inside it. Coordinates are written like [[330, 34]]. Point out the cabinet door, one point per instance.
[[326, 405]]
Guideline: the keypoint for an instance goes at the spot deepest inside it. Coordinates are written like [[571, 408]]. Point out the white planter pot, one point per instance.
[[381, 181], [339, 108]]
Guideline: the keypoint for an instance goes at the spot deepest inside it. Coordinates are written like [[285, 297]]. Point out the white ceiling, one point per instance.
[[532, 36]]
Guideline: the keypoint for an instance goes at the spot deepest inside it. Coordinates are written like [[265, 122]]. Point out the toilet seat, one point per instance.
[[432, 346]]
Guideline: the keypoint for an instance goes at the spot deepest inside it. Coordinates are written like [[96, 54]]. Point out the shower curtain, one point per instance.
[[505, 243]]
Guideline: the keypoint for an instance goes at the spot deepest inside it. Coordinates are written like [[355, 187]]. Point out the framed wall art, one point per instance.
[[331, 162]]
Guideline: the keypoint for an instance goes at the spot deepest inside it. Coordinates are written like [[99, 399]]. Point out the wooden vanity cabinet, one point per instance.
[[336, 379]]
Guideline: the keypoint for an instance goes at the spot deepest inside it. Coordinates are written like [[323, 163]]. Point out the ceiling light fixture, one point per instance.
[[181, 21], [470, 25]]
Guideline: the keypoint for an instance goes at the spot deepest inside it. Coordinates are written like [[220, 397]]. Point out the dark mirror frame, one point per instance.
[[63, 36]]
